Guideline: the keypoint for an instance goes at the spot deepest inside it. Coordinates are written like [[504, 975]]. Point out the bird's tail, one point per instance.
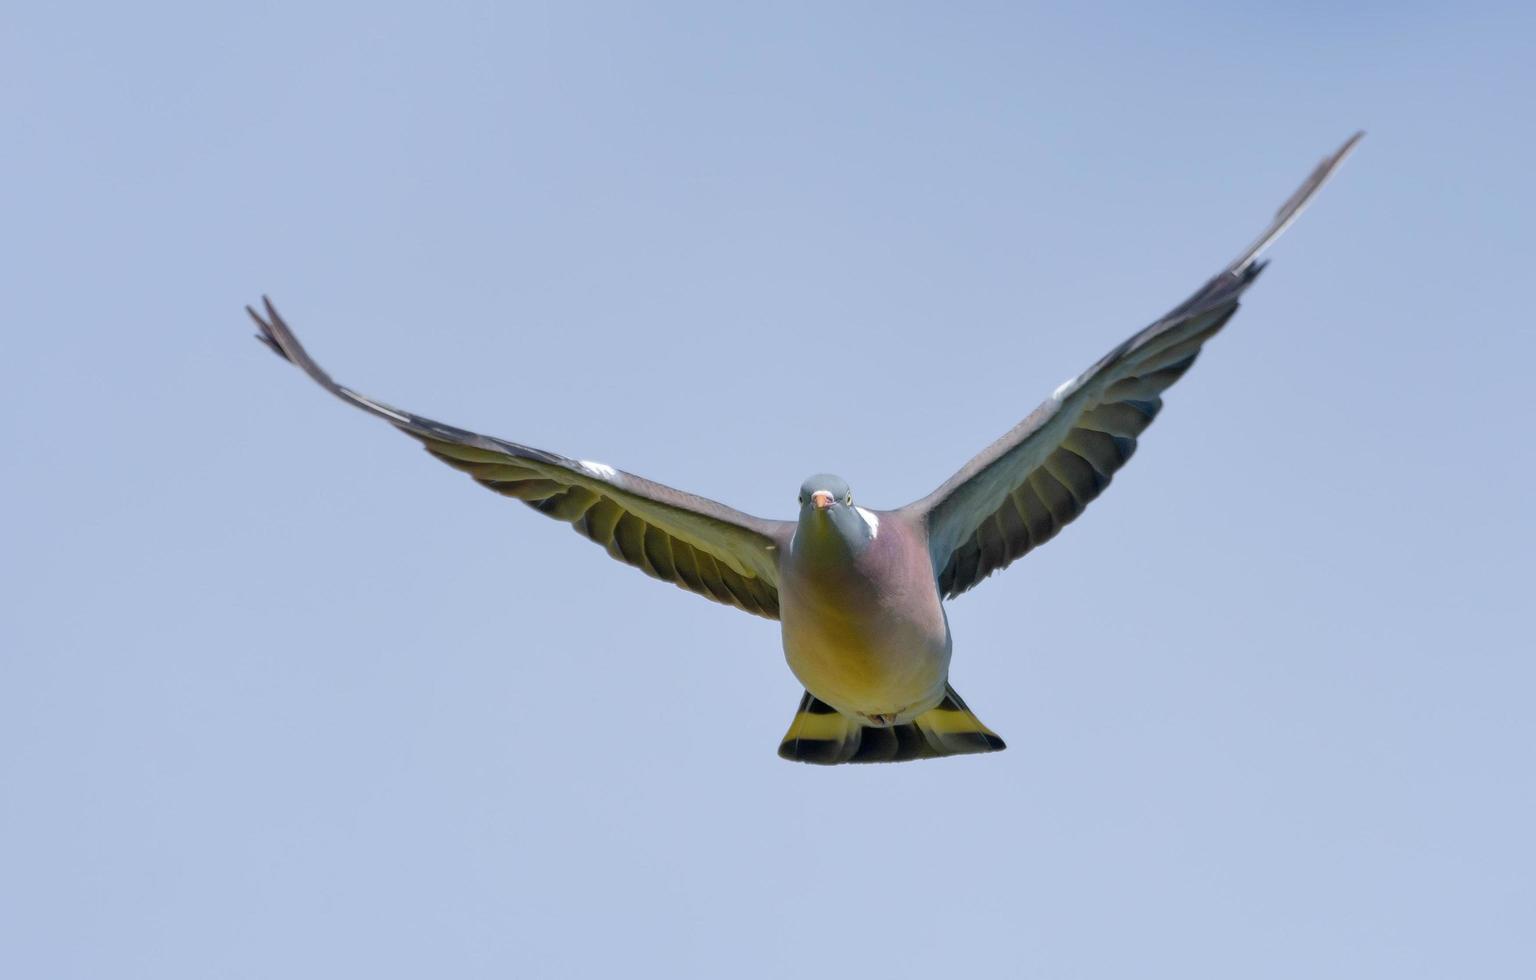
[[822, 735]]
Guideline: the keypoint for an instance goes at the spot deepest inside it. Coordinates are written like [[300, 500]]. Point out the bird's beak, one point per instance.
[[822, 499]]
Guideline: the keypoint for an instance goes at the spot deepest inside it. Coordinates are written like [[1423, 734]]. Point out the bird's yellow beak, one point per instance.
[[822, 499]]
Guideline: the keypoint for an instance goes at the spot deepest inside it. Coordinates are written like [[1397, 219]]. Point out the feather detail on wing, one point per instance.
[[692, 542], [1024, 488]]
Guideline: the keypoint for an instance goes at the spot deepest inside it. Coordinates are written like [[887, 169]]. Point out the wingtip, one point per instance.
[[1297, 202], [1319, 176], [1347, 148], [265, 333], [271, 345]]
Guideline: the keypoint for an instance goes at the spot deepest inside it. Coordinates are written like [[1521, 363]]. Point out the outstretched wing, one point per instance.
[[1033, 481], [692, 542]]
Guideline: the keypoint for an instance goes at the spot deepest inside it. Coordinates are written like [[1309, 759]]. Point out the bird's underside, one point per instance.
[[1012, 497]]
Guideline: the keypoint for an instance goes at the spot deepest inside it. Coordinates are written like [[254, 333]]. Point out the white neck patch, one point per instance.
[[871, 519]]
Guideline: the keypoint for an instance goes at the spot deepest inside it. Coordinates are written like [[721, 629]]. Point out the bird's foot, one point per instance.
[[879, 720]]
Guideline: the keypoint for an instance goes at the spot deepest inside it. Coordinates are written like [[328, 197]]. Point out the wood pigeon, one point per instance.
[[858, 593]]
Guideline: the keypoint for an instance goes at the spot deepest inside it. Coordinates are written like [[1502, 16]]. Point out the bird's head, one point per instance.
[[827, 514]]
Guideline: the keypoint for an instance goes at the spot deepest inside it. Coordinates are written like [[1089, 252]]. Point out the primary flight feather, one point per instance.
[[859, 592]]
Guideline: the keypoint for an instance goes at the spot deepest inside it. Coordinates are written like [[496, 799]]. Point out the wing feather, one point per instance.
[[1022, 490], [695, 543]]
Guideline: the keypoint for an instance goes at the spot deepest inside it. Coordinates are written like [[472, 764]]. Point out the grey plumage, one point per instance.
[[1020, 491], [690, 541], [858, 592]]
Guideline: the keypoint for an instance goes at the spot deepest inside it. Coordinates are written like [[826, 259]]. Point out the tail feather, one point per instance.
[[822, 735]]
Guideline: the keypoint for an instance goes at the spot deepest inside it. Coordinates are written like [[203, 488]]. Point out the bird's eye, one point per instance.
[[848, 499]]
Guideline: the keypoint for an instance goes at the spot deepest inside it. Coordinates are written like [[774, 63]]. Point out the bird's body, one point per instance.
[[859, 593], [865, 632]]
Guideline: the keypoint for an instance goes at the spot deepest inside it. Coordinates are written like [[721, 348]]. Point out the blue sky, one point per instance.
[[280, 696]]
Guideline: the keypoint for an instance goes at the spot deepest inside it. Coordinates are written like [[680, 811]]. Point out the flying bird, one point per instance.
[[859, 593]]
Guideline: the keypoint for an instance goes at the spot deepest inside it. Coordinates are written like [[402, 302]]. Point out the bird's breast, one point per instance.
[[867, 636]]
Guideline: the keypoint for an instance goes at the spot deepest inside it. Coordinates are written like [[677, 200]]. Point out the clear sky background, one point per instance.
[[282, 697]]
